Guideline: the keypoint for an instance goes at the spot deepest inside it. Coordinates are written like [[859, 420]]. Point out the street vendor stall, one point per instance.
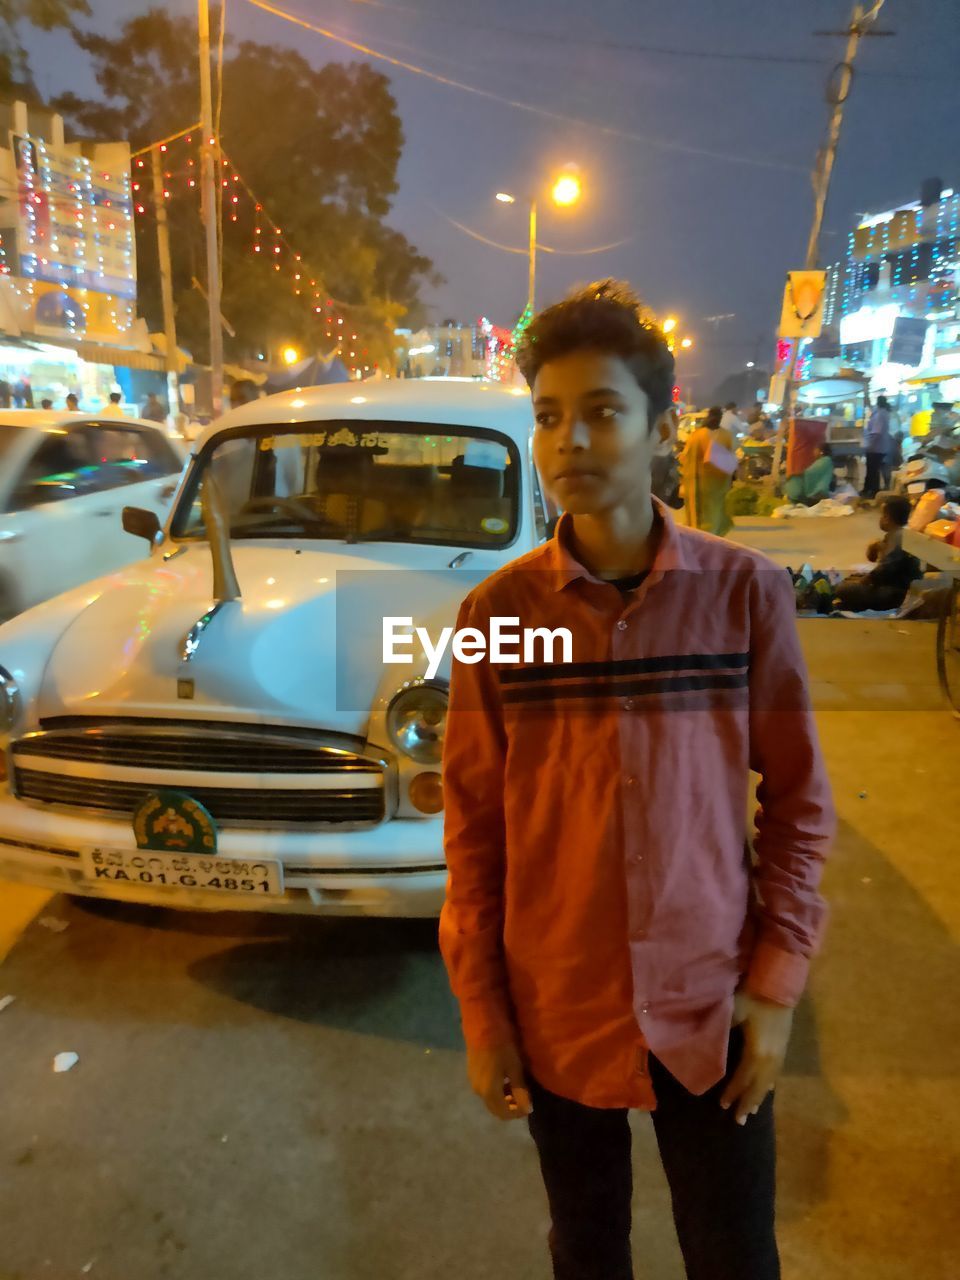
[[841, 400], [941, 555]]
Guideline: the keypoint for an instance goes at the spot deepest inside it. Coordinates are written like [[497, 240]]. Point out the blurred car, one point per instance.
[[64, 480], [217, 727]]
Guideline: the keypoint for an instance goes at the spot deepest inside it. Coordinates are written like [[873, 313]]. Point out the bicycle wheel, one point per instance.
[[948, 649]]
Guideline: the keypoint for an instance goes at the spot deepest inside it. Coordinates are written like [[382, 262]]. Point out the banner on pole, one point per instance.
[[802, 312]]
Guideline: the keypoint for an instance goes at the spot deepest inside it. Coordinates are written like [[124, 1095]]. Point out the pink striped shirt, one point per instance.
[[602, 898]]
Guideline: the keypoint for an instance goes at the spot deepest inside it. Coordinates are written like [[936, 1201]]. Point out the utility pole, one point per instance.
[[838, 91], [166, 284], [210, 153]]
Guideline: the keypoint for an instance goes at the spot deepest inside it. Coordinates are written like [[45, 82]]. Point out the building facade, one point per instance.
[[892, 306]]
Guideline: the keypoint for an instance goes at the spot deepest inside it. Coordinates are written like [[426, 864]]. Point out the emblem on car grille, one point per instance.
[[172, 822]]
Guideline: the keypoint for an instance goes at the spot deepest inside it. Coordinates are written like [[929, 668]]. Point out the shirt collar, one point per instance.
[[567, 568]]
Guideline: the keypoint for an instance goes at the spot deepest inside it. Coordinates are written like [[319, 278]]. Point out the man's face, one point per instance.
[[593, 442]]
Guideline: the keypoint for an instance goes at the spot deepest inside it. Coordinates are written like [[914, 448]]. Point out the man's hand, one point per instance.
[[496, 1076], [766, 1032]]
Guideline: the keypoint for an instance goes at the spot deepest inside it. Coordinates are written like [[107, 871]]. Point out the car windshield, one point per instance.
[[360, 482]]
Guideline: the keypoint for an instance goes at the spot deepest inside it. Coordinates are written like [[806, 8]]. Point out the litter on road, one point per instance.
[[53, 924], [6, 1002], [65, 1062]]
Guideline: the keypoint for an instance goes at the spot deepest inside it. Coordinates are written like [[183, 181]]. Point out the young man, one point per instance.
[[608, 938]]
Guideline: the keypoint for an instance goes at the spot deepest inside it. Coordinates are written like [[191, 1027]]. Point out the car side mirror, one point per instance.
[[141, 523]]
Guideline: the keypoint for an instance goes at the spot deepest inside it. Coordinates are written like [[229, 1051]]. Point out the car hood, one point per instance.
[[272, 657]]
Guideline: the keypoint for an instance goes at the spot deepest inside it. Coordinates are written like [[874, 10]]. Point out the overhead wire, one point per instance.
[[578, 41], [529, 107]]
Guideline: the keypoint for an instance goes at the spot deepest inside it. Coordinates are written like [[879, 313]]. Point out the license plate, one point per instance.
[[262, 879]]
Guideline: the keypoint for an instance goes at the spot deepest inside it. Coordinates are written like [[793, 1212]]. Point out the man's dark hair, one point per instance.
[[115, 397], [46, 404], [898, 509], [883, 402], [714, 418], [731, 404], [606, 317]]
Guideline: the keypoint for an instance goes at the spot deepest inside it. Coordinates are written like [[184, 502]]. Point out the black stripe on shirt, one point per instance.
[[632, 689], [623, 667]]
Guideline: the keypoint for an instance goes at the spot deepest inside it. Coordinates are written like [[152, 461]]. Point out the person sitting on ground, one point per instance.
[[885, 586], [814, 484]]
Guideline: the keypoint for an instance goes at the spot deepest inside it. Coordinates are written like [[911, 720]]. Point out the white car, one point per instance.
[[216, 727], [64, 480]]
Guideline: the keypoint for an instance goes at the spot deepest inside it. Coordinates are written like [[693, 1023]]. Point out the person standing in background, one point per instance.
[[733, 423], [877, 445], [73, 404], [153, 409], [112, 408], [664, 472], [706, 484]]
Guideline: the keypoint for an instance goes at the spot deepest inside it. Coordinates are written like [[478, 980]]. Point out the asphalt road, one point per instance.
[[275, 1099]]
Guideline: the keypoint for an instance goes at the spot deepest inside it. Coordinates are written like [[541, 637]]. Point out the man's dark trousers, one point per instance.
[[721, 1177]]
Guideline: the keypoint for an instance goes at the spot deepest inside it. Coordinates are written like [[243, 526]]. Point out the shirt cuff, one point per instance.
[[777, 975], [487, 1023]]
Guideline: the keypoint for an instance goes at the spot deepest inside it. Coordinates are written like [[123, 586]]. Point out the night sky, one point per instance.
[[709, 233]]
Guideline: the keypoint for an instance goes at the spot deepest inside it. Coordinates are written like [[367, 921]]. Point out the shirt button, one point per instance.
[[630, 781], [622, 624], [644, 1008], [628, 704]]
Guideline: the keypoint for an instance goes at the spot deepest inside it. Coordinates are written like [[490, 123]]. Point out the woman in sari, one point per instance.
[[706, 486]]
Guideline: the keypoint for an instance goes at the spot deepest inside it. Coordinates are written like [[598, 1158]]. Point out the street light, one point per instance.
[[565, 191], [290, 355], [669, 324], [687, 343]]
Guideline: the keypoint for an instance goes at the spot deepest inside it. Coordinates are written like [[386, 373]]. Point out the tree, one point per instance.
[[319, 146], [15, 77]]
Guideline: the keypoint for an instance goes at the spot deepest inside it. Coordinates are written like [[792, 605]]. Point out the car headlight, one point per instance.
[[416, 719], [10, 701]]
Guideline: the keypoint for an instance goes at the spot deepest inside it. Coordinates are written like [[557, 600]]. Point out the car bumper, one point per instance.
[[395, 869]]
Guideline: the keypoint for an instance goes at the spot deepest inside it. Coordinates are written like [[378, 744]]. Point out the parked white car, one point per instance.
[[215, 727], [64, 480]]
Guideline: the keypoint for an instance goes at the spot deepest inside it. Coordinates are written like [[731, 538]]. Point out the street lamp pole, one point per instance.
[[210, 176], [531, 295]]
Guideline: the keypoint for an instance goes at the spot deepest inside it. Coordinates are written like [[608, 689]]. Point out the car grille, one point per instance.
[[243, 776], [242, 752]]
